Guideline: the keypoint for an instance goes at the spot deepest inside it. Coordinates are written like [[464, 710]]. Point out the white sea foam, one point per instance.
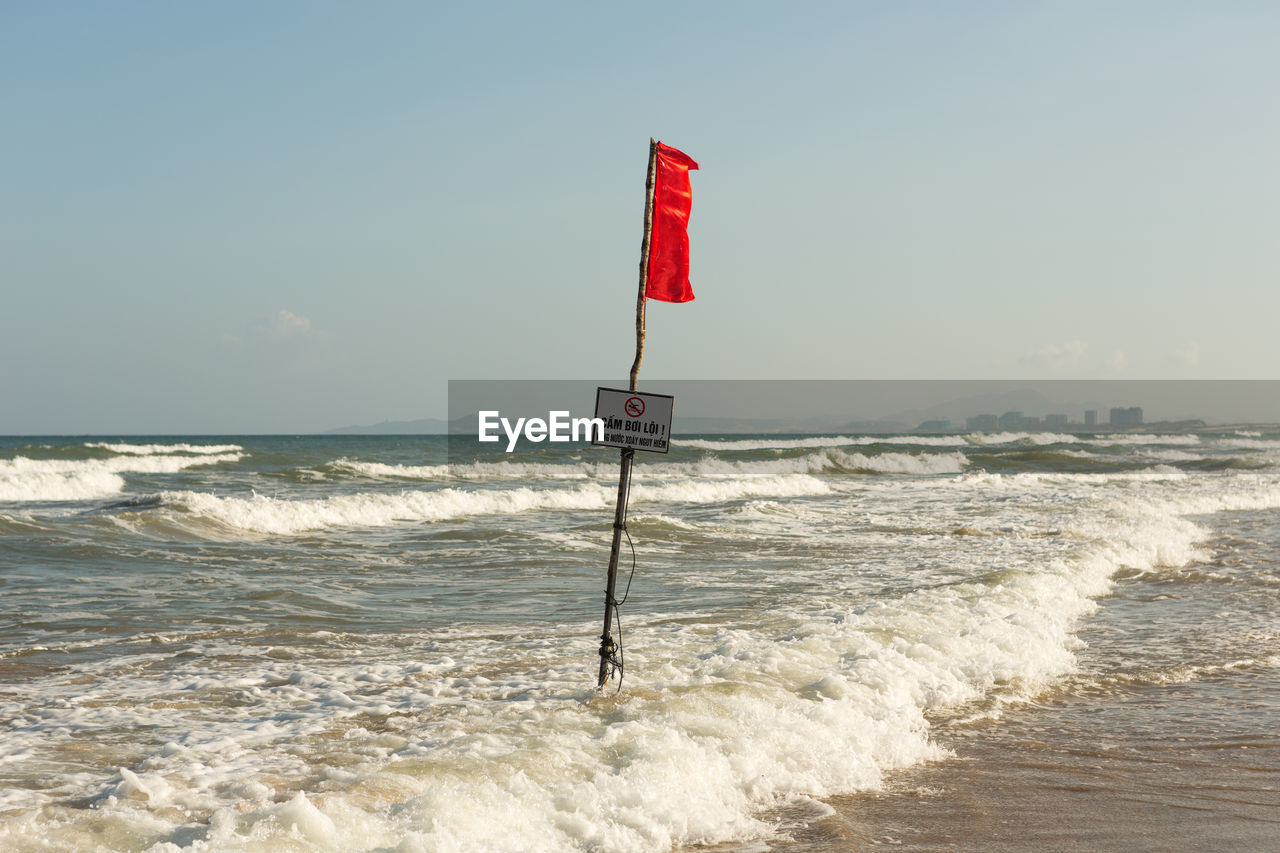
[[830, 460], [976, 438], [1243, 492], [1171, 455], [806, 704], [23, 479], [1121, 439], [415, 743], [1247, 443], [152, 449], [43, 485], [1099, 439], [1027, 479], [714, 491], [904, 463], [763, 443], [504, 470], [921, 440], [826, 460], [1023, 438], [263, 514], [384, 470], [817, 441]]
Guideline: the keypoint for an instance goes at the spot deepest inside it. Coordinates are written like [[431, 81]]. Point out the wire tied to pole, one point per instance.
[[612, 653]]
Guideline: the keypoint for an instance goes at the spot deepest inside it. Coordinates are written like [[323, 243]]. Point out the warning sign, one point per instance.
[[635, 420]]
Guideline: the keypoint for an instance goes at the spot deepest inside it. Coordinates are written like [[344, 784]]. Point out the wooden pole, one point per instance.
[[644, 261], [607, 647]]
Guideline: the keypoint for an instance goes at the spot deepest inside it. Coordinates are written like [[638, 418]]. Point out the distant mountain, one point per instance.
[[734, 426], [1025, 400], [424, 426], [874, 427]]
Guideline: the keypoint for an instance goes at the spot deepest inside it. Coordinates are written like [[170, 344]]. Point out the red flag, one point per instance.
[[668, 275]]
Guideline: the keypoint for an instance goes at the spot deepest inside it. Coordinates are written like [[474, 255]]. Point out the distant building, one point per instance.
[[982, 423], [1055, 420], [1091, 417], [1010, 420], [934, 426], [1131, 416]]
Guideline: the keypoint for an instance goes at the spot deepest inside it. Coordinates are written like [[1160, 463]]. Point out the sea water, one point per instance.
[[331, 643]]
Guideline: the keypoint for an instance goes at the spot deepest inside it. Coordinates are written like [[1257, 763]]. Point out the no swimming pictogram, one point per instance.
[[634, 419]]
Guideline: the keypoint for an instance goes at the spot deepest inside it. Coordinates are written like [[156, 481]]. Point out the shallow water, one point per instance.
[[345, 643]]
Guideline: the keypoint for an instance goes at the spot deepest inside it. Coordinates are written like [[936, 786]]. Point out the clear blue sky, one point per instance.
[[290, 216]]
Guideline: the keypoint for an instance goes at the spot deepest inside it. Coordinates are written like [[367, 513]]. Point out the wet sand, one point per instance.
[[1088, 772], [1172, 743]]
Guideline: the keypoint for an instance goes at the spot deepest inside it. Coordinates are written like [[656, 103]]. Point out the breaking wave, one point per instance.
[[23, 479], [829, 460], [261, 514], [817, 441], [152, 449], [349, 752]]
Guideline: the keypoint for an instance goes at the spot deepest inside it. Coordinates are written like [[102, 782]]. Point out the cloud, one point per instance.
[[287, 324], [1190, 354], [281, 326], [1116, 362], [1056, 356]]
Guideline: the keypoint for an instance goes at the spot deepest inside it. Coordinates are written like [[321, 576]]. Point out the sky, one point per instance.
[[244, 217]]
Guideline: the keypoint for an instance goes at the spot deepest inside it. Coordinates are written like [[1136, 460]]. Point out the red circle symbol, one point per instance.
[[634, 407]]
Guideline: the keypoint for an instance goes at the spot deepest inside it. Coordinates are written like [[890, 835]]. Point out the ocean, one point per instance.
[[835, 642]]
